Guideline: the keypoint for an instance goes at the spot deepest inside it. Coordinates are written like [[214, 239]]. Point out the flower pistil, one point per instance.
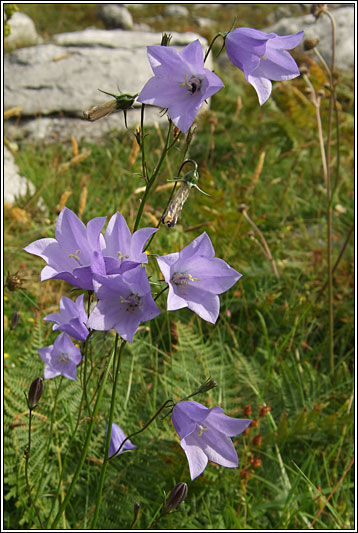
[[181, 279], [63, 358], [193, 84], [132, 301]]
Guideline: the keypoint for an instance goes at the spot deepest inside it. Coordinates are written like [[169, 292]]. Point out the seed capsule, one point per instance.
[[175, 207]]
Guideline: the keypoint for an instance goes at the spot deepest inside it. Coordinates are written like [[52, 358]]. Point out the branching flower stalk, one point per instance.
[[111, 266], [85, 445], [153, 177]]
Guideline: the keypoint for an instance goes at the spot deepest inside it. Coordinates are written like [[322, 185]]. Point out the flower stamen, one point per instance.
[[75, 255], [63, 358], [122, 256], [202, 429], [193, 84]]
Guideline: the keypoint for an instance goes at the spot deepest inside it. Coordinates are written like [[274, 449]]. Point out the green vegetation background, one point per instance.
[[269, 346]]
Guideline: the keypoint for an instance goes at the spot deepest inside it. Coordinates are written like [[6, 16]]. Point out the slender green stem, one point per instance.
[[85, 446], [329, 198], [27, 457], [325, 156], [212, 43], [264, 243], [142, 147], [64, 461], [340, 255], [166, 404], [116, 363], [49, 438], [153, 178]]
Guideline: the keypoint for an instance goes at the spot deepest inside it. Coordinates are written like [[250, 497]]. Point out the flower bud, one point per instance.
[[166, 38], [14, 320], [176, 497], [310, 43], [35, 393], [208, 385]]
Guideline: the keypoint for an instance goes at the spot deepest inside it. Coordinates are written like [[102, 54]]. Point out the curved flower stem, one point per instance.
[[85, 445], [165, 404], [153, 177], [27, 456], [212, 43], [116, 363]]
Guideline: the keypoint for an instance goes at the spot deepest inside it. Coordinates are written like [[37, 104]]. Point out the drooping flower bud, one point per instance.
[[175, 498], [35, 393]]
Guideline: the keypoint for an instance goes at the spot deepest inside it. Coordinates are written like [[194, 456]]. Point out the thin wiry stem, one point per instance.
[[325, 156], [27, 457], [116, 363], [267, 250], [85, 446]]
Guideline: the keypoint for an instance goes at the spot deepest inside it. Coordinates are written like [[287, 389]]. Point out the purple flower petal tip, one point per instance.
[[180, 83], [263, 57], [205, 435], [196, 278]]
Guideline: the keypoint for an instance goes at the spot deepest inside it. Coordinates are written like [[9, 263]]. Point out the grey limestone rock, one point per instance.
[[115, 16], [23, 32], [14, 184], [175, 10], [55, 83]]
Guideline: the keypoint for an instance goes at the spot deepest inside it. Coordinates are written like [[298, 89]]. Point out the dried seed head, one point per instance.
[[247, 410], [242, 207], [14, 282], [317, 10], [257, 440], [264, 410]]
